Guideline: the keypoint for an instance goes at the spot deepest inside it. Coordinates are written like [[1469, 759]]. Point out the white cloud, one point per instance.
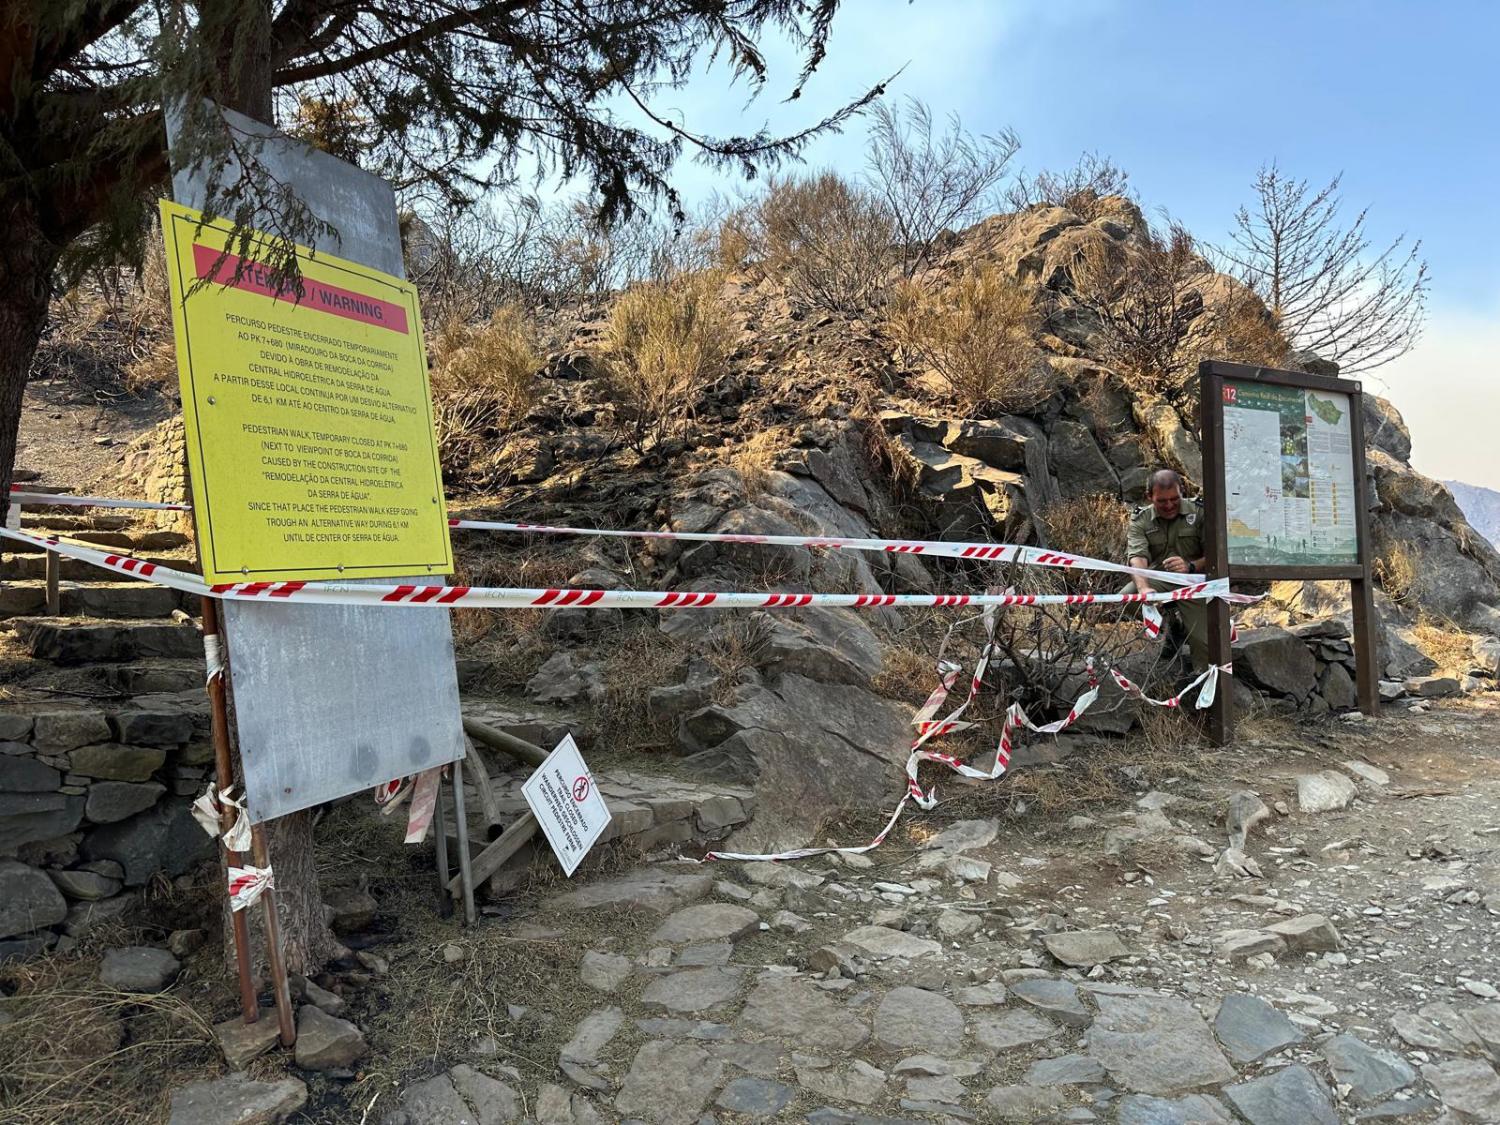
[[1448, 390]]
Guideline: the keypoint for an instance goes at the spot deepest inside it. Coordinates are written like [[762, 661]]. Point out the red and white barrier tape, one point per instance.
[[424, 798], [1015, 716], [246, 884], [209, 808], [1209, 680], [334, 593], [1206, 684], [213, 657], [938, 548], [389, 796]]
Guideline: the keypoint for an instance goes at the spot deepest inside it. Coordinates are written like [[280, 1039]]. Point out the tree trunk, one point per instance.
[[26, 264]]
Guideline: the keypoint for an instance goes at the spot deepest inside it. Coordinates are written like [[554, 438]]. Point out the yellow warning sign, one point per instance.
[[309, 417]]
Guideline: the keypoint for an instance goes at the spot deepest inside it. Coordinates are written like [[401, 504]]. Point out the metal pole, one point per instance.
[[440, 822], [466, 878], [224, 778], [279, 984], [54, 594]]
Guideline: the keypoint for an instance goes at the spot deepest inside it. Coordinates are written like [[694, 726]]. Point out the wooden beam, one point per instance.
[[517, 748], [479, 770], [487, 862]]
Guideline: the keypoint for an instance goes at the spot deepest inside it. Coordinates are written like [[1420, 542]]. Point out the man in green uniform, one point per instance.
[[1168, 534]]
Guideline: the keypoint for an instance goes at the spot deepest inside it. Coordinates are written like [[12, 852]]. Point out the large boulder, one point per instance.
[[1000, 443], [1164, 426], [1454, 573], [165, 838], [1400, 488], [1277, 661], [964, 497], [810, 748], [831, 645], [30, 817]]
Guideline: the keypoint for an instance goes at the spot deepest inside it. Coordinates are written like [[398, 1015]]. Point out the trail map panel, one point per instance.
[[1290, 496], [309, 417]]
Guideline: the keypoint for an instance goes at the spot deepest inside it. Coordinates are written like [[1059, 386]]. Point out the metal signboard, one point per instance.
[[309, 418], [329, 699]]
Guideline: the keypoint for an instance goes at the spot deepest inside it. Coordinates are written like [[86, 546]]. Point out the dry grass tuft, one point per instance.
[[512, 643], [736, 648], [1396, 571], [1088, 525], [637, 662], [827, 240], [979, 334], [1168, 745], [667, 343], [755, 459], [907, 674], [80, 1051], [1445, 643], [1246, 332], [484, 380]]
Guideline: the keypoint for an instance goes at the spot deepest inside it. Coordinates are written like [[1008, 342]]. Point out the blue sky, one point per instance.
[[1191, 98]]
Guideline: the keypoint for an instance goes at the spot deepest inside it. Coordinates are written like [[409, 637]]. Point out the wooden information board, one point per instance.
[[1285, 496]]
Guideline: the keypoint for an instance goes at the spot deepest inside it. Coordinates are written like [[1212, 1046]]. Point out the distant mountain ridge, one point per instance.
[[1480, 506]]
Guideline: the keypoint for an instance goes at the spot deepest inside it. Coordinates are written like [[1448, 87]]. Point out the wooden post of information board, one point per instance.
[[1216, 549], [1362, 589], [1218, 384]]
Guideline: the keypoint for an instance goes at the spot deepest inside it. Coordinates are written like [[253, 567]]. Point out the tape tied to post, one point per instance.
[[208, 811], [247, 884]]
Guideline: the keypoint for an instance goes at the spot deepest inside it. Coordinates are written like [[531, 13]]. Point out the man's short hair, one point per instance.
[[1163, 478]]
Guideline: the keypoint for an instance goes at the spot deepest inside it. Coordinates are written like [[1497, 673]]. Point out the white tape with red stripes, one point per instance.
[[208, 811], [334, 593], [246, 884], [424, 798], [938, 548], [1014, 717], [974, 552]]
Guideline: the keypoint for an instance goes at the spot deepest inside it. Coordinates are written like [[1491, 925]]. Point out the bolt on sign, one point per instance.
[[308, 412], [567, 804]]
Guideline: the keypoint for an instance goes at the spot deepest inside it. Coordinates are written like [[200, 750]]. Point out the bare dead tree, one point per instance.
[[827, 239], [1079, 189], [1147, 297], [932, 182], [1327, 289]]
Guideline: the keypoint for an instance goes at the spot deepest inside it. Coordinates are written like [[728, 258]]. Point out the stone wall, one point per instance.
[[93, 803]]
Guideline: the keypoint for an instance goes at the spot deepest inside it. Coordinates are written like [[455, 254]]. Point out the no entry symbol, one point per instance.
[[581, 788]]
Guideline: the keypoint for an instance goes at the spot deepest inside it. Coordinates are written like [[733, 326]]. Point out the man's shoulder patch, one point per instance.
[[1190, 517]]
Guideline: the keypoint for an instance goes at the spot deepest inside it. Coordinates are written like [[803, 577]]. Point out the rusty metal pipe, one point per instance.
[[224, 778]]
